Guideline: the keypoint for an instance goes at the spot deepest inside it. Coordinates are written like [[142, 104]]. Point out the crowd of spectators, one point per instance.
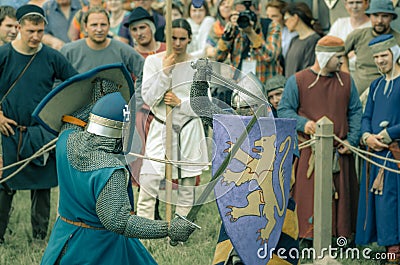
[[267, 38]]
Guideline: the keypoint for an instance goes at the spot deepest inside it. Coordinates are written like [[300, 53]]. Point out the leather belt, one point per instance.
[[81, 224]]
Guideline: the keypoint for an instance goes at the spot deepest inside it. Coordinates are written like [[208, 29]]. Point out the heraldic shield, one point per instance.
[[253, 192]]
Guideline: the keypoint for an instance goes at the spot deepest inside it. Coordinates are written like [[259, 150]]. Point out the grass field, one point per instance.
[[21, 249]]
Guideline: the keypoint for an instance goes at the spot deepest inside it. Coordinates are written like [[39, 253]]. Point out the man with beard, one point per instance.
[[8, 24], [96, 49], [379, 214], [381, 13], [324, 90]]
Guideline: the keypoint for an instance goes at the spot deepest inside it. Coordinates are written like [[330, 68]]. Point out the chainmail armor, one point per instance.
[[201, 104], [180, 230], [113, 211], [103, 87], [88, 152]]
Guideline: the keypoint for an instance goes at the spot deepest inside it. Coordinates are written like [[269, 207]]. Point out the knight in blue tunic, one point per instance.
[[95, 224], [379, 204]]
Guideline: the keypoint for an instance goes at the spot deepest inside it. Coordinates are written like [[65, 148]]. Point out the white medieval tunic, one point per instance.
[[191, 143]]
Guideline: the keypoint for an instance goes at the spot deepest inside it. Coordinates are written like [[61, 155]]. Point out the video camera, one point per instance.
[[246, 16]]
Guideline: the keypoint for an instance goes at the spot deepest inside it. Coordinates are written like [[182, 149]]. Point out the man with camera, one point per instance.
[[244, 42]]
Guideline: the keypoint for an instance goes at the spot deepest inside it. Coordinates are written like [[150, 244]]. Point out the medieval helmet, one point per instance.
[[107, 116]]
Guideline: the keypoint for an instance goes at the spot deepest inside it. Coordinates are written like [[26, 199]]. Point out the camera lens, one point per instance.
[[243, 20]]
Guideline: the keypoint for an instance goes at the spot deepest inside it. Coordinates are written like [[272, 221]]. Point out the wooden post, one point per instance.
[[323, 185], [168, 121]]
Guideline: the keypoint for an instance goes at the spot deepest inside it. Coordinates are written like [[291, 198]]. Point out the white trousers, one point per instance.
[[149, 187]]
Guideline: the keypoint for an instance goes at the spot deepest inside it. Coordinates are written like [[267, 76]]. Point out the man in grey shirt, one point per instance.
[[97, 49]]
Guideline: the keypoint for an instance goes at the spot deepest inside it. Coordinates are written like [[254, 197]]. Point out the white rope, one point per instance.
[[167, 161], [46, 148], [359, 152], [307, 143]]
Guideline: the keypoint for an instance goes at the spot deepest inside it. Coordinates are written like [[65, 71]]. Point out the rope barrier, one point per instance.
[[307, 143], [46, 148], [358, 152], [168, 161]]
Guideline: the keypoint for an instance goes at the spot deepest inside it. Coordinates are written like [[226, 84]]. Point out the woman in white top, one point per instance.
[[342, 27], [201, 23], [167, 81]]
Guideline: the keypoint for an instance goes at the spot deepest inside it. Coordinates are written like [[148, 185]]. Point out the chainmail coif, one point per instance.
[[88, 152]]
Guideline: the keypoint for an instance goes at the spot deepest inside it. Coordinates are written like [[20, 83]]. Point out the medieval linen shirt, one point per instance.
[[379, 215], [19, 104], [192, 146]]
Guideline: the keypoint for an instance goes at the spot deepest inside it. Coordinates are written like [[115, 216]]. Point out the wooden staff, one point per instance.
[[168, 121]]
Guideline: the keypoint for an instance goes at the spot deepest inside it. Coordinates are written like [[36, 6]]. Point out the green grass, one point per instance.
[[20, 248]]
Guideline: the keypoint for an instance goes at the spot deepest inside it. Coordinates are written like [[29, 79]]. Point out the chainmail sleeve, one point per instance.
[[201, 103], [113, 209]]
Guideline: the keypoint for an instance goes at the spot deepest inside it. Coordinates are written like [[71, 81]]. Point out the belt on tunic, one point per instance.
[[178, 130], [81, 224]]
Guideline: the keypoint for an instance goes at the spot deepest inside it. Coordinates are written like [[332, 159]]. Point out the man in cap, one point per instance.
[[142, 29], [274, 88], [159, 22], [94, 220], [379, 205], [381, 13], [28, 72], [8, 24], [324, 90]]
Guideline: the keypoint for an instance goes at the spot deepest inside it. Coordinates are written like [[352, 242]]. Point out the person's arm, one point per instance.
[[53, 42], [225, 43], [354, 114], [113, 209], [155, 81], [269, 50], [75, 27], [289, 104], [368, 137]]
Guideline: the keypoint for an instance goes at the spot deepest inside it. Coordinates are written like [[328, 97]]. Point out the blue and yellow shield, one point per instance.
[[252, 193]]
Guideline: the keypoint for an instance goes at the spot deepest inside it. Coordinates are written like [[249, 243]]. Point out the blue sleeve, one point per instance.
[[289, 104], [354, 115], [368, 111], [63, 67]]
